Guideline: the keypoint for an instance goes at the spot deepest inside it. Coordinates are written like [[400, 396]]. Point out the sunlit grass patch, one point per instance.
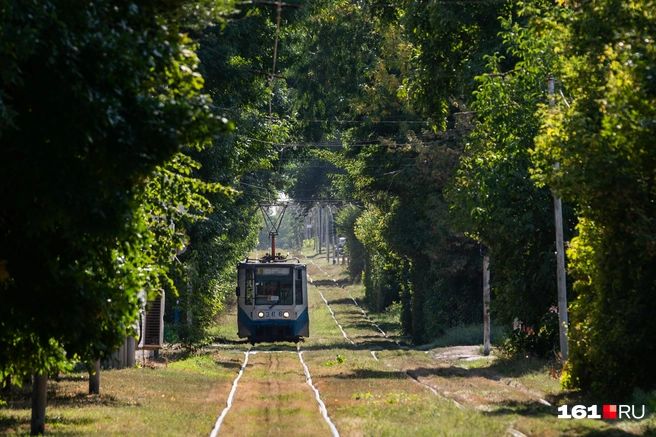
[[204, 364]]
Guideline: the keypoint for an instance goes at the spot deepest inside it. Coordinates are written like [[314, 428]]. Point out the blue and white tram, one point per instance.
[[272, 299]]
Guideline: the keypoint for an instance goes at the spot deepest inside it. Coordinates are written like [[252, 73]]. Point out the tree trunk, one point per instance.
[[94, 378], [39, 391]]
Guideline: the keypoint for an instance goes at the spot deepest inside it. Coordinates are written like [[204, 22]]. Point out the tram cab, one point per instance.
[[272, 299]]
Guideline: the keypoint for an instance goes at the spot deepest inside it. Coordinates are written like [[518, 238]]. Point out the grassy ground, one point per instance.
[[371, 387], [181, 398]]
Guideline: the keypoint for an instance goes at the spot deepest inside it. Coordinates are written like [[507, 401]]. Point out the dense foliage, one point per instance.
[[604, 141], [95, 99], [493, 196]]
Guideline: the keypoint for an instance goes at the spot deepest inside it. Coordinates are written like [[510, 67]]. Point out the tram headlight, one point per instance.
[[260, 314], [286, 314]]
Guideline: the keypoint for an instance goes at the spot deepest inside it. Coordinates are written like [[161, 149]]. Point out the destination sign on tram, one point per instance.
[[278, 271]]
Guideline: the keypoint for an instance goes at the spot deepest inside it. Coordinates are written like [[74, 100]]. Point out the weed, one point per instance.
[[340, 360]]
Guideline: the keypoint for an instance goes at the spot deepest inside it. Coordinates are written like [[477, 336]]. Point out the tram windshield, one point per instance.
[[274, 289]]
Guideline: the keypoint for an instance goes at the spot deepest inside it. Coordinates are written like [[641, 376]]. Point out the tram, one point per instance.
[[272, 299]]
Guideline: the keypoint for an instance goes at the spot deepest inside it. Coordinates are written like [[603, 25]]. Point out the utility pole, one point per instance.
[[327, 227], [320, 227], [560, 254], [486, 301], [316, 227]]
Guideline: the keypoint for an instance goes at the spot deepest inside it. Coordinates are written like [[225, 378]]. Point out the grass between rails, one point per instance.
[[273, 399]]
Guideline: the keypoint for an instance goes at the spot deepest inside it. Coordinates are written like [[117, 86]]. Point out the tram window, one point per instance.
[[249, 287], [299, 287], [273, 290]]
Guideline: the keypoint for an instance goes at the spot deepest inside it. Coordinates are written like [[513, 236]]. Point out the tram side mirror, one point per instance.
[[237, 291]]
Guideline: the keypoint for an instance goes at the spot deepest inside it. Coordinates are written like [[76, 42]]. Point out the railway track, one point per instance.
[[279, 392], [418, 376], [277, 403]]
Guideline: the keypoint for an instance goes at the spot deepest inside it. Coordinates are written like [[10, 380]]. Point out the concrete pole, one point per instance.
[[39, 392], [560, 256], [327, 226], [320, 228], [130, 347], [486, 305]]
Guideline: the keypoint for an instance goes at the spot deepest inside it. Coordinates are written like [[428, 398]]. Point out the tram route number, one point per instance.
[[273, 315]]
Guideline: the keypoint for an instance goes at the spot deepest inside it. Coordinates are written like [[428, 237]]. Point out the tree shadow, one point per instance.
[[21, 399], [526, 409], [323, 283], [581, 431], [13, 423], [345, 301], [491, 372], [371, 374], [81, 400], [221, 340]]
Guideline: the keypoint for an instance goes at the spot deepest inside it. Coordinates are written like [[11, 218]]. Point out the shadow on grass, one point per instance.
[[381, 344], [22, 425], [526, 409], [345, 301], [81, 400], [494, 372], [22, 399], [221, 340], [371, 374], [324, 283], [581, 431], [11, 422]]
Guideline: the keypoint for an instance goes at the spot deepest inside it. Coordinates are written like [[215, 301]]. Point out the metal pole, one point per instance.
[[560, 255]]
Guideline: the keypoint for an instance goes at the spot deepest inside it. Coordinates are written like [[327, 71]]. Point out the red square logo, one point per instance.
[[610, 412]]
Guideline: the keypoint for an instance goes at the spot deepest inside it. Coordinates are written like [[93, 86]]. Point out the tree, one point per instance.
[[94, 98], [604, 144], [492, 195], [392, 163], [450, 41]]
